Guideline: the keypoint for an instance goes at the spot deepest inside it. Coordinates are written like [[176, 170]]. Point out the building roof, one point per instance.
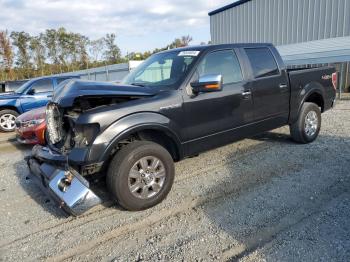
[[234, 4], [331, 50]]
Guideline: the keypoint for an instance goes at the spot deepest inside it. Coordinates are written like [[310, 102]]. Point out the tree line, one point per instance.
[[56, 51]]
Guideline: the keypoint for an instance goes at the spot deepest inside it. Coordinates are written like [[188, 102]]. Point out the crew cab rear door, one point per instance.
[[269, 86], [211, 118]]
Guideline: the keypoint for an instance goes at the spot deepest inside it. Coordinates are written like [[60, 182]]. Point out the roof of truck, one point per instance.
[[213, 47], [56, 76]]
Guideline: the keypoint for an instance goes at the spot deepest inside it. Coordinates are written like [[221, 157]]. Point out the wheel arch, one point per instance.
[[315, 97], [312, 92], [158, 129], [148, 132], [9, 107]]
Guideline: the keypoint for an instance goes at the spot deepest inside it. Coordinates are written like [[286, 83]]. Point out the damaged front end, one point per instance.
[[51, 169], [63, 184], [75, 117]]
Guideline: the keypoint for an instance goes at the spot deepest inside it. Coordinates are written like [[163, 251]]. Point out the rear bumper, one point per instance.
[[67, 187]]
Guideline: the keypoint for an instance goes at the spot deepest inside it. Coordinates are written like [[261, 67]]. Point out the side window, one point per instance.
[[262, 61], [43, 85], [223, 63]]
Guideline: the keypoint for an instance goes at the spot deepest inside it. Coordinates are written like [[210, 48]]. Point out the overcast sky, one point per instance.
[[139, 25]]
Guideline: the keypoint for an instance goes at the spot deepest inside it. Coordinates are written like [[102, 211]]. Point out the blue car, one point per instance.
[[33, 94]]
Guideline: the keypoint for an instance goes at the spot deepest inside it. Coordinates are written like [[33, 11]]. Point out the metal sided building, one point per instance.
[[306, 32]]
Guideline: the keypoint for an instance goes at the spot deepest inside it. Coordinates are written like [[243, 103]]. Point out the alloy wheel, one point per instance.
[[146, 177], [7, 122], [311, 123]]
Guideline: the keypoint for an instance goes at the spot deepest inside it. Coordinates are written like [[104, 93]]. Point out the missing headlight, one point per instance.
[[84, 135]]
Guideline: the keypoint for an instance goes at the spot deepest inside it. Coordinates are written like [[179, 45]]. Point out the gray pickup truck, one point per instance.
[[176, 104]]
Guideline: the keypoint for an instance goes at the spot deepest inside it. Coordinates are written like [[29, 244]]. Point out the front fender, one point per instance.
[[122, 128], [11, 103]]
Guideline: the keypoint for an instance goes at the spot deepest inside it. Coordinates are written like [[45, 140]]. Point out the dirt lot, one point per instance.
[[259, 199]]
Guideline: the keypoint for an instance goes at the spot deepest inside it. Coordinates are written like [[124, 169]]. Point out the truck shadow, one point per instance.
[[276, 188], [32, 188], [274, 137], [29, 184]]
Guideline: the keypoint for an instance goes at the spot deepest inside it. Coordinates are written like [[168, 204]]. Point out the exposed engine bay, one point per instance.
[[64, 133]]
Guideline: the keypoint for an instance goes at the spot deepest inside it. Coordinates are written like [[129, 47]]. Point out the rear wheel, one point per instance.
[[7, 120], [140, 175], [307, 127]]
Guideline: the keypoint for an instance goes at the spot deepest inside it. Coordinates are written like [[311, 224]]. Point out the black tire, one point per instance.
[[298, 129], [7, 112], [118, 174]]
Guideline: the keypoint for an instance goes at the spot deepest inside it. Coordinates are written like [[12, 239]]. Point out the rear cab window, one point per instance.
[[262, 62]]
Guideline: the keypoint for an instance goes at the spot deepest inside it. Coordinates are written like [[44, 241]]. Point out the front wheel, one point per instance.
[[140, 175], [8, 120], [306, 128]]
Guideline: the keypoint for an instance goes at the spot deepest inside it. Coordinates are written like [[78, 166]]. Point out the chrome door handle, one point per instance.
[[246, 93], [283, 86]]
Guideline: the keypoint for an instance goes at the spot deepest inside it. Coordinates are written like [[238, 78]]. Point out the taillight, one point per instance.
[[334, 80]]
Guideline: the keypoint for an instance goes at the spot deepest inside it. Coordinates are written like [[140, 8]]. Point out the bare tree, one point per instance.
[[97, 49], [6, 55], [21, 42], [38, 52], [180, 42], [112, 53], [185, 40]]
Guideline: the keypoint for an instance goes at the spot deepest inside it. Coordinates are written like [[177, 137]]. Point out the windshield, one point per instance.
[[23, 87], [164, 70]]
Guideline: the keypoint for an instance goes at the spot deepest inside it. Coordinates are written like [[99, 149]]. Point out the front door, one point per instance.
[[37, 95], [211, 117]]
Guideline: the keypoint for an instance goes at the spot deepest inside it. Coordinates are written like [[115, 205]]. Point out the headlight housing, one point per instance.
[[84, 135], [32, 123], [54, 123]]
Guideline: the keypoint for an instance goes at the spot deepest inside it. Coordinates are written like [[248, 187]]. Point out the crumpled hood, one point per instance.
[[66, 95], [9, 95]]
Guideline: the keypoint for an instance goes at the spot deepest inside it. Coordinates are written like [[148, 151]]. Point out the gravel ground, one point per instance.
[[261, 199]]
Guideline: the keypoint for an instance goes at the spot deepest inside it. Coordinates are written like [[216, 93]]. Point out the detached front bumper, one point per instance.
[[64, 185]]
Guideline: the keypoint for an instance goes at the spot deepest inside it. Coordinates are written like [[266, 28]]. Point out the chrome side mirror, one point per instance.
[[207, 83]]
